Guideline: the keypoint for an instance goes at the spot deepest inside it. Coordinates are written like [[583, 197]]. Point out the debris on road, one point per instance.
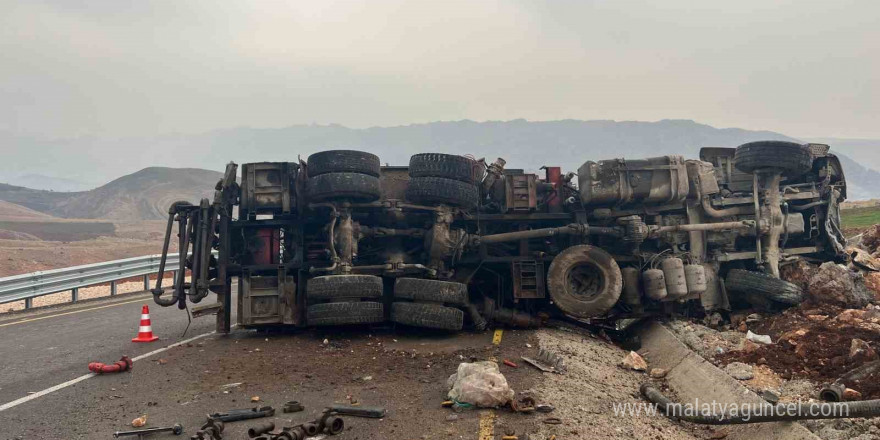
[[177, 429], [372, 412], [510, 363], [544, 408], [121, 365], [235, 415], [140, 421], [292, 406], [211, 430], [480, 384], [547, 362], [632, 361]]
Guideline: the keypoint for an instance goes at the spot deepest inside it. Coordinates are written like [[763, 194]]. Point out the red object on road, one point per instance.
[[510, 364], [123, 364], [145, 331]]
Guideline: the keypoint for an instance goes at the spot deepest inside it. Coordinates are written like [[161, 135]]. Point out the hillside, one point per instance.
[[144, 195], [11, 211]]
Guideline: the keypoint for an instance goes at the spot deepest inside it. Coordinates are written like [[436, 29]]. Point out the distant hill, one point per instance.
[[40, 181], [524, 144], [144, 195]]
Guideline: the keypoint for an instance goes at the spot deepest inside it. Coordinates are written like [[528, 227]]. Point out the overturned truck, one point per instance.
[[450, 242]]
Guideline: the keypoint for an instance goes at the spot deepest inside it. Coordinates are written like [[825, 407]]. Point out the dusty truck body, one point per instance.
[[450, 242]]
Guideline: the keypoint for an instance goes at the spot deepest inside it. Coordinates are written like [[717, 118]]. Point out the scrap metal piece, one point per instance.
[[547, 361], [292, 406], [263, 428], [177, 429], [235, 415], [212, 430], [373, 412]]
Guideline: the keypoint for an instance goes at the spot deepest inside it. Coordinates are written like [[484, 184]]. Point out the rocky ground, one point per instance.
[[832, 336]]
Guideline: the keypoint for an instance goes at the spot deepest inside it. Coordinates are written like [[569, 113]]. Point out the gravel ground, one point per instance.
[[584, 395]]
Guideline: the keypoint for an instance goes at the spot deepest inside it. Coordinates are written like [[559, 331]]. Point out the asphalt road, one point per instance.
[[47, 392], [45, 348]]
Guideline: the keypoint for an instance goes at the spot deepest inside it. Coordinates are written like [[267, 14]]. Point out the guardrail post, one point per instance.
[[28, 303], [74, 294], [147, 282], [173, 277], [113, 288]]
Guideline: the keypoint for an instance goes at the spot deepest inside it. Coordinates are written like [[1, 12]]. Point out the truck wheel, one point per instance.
[[584, 281], [344, 286], [793, 159], [427, 315], [343, 161], [353, 186], [342, 313], [442, 165], [766, 285], [430, 190], [418, 289]]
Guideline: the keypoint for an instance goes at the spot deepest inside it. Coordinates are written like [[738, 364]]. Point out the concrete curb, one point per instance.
[[693, 377]]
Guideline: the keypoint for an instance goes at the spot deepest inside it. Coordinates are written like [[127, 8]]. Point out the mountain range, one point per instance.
[[522, 143]]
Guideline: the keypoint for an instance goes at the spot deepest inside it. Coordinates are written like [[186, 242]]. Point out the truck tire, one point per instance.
[[793, 159], [355, 186], [766, 285], [343, 313], [584, 281], [443, 165], [440, 190], [427, 315], [418, 289], [343, 161], [344, 286]]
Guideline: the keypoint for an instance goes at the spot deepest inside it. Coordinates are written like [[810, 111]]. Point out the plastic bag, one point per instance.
[[480, 384]]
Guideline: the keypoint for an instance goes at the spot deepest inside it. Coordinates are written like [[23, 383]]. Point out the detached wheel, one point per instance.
[[764, 285], [791, 158], [418, 289], [354, 186], [343, 161], [344, 286], [440, 190], [345, 313], [448, 166], [427, 316], [584, 281]]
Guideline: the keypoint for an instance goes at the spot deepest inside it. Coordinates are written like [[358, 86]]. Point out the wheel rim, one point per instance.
[[585, 281]]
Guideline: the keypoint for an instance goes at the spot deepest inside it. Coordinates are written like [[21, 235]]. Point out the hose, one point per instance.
[[766, 412], [121, 365]]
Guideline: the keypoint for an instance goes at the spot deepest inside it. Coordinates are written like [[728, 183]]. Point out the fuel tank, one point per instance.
[[615, 182]]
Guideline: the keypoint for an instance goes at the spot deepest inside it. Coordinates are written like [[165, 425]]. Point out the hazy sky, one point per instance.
[[119, 68]]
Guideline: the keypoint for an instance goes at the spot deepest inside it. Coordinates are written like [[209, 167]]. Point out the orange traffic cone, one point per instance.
[[145, 331]]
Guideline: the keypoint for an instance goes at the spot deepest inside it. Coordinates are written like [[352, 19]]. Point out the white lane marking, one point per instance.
[[38, 394]]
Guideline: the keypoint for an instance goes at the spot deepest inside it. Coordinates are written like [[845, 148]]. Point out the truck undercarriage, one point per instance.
[[451, 242]]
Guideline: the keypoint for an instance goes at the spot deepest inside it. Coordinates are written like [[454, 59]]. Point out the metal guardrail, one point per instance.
[[31, 285]]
